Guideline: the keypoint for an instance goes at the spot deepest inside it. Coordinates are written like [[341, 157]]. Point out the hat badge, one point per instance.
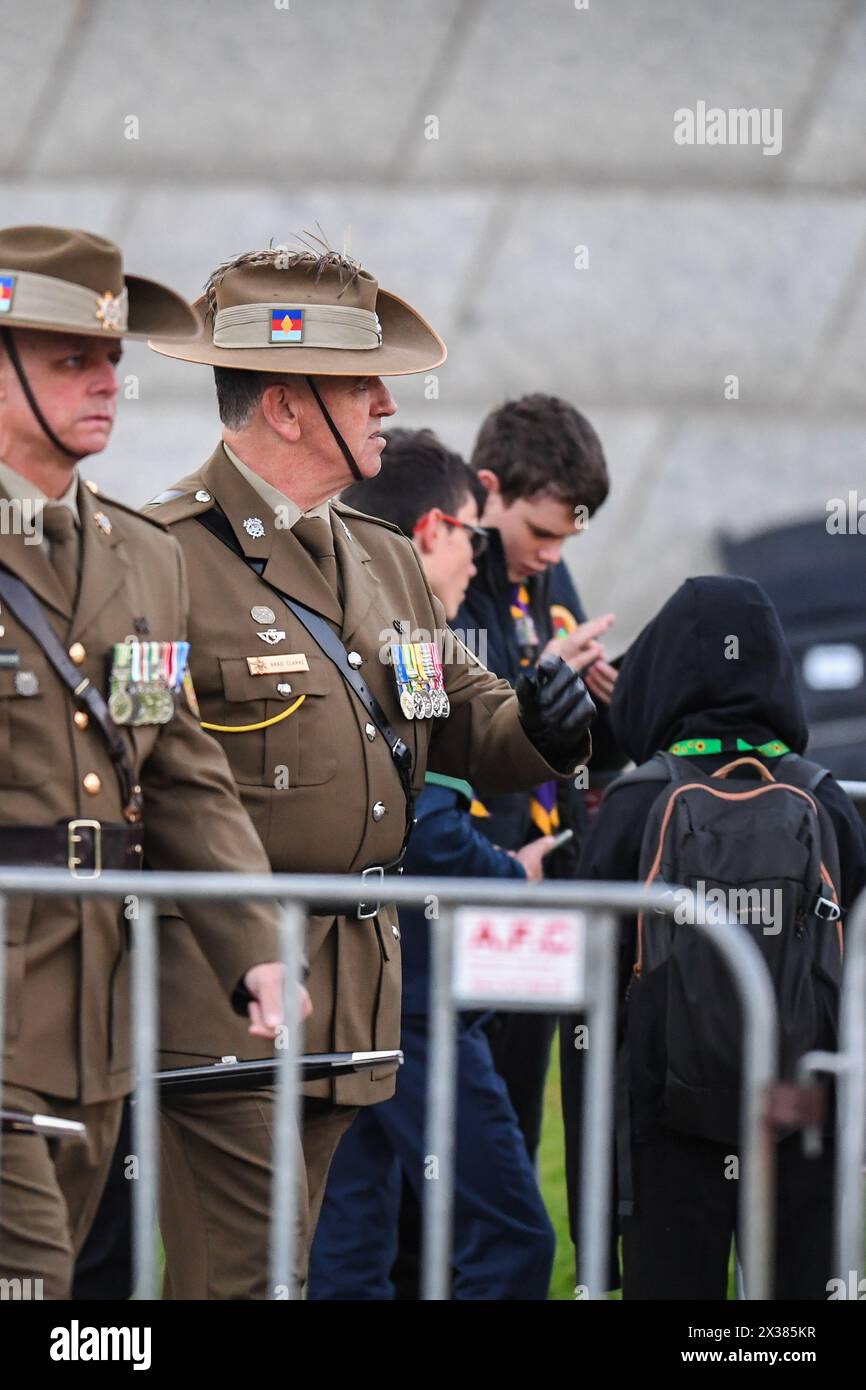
[[109, 311]]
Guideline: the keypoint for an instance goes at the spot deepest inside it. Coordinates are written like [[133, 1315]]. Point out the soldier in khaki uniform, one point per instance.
[[78, 574], [300, 343]]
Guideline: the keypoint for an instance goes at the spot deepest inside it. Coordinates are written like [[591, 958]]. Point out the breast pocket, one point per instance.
[[276, 726], [25, 753]]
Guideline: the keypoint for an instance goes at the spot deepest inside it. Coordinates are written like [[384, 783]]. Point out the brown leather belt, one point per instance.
[[375, 874], [84, 847]]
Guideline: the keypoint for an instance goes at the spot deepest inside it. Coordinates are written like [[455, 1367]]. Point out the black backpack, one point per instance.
[[763, 851]]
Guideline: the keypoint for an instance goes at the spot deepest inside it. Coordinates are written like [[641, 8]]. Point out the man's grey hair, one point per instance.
[[239, 393]]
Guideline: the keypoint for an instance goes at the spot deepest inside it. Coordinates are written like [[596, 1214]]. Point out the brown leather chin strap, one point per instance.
[[12, 350], [344, 448]]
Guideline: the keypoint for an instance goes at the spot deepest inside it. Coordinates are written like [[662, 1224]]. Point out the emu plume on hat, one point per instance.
[[305, 313], [61, 280]]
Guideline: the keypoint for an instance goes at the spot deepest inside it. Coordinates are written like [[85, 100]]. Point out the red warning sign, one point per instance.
[[524, 957]]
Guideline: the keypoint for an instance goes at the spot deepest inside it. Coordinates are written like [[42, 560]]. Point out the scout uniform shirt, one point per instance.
[[67, 1021], [320, 783]]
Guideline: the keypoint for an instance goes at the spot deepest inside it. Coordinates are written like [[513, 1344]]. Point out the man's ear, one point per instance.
[[426, 530], [279, 408], [489, 481]]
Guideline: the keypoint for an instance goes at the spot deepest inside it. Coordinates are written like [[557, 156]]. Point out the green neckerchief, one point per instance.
[[688, 747], [438, 779]]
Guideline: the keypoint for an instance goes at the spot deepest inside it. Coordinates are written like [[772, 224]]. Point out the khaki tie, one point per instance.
[[314, 533], [58, 524]]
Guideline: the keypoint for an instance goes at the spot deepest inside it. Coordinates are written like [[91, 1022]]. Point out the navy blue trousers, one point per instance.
[[503, 1240]]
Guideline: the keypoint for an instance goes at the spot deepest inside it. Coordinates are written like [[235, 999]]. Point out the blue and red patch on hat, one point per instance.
[[287, 325], [7, 289]]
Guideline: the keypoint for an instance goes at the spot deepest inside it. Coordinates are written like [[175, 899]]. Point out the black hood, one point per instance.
[[677, 682]]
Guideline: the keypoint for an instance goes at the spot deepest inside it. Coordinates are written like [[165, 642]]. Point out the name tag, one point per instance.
[[277, 665]]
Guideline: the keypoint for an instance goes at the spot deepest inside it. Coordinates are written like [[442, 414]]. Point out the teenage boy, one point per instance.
[[504, 1243], [544, 473]]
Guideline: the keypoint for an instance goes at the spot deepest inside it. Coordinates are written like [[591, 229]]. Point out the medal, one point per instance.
[[405, 694], [439, 677], [415, 680], [120, 704], [145, 679], [145, 711]]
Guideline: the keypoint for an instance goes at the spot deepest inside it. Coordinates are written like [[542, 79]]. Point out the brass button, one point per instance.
[[80, 719], [395, 932], [379, 810], [77, 653], [370, 731], [91, 486], [92, 783], [355, 660]]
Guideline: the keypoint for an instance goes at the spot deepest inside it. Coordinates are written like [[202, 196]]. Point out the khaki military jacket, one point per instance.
[[67, 1025], [320, 784]]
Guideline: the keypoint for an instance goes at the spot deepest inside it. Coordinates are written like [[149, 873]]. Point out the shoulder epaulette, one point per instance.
[[178, 503], [125, 507], [343, 509]]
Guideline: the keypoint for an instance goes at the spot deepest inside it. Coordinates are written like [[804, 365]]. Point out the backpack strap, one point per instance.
[[662, 767], [802, 772], [764, 771]]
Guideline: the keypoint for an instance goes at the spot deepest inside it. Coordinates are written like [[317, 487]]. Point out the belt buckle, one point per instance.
[[73, 839], [826, 910], [363, 914]]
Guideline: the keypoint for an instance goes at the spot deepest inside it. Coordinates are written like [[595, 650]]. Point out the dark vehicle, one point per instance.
[[816, 576]]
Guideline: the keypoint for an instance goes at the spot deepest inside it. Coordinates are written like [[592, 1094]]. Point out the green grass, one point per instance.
[[551, 1163]]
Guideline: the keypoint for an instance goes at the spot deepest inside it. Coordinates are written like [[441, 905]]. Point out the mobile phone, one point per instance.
[[561, 839]]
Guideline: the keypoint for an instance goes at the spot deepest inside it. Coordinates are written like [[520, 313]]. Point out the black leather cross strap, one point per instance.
[[12, 353], [326, 639], [341, 443], [18, 598]]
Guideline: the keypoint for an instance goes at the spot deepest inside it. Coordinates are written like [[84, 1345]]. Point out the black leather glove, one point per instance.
[[556, 710]]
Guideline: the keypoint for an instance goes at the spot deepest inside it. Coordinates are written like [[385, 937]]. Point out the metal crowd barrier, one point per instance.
[[598, 904], [848, 1065]]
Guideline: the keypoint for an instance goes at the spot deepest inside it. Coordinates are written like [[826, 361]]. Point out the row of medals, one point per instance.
[[145, 677], [420, 682]]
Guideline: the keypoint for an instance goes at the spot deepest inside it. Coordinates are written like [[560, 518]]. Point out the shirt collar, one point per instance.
[[21, 489], [272, 495]]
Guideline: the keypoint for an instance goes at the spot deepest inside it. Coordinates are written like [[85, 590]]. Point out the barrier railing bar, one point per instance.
[[851, 1098], [284, 1182], [598, 1103], [757, 1150], [438, 1205], [145, 1026], [344, 889]]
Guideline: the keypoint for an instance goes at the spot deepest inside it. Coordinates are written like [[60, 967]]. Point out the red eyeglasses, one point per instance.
[[478, 534]]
